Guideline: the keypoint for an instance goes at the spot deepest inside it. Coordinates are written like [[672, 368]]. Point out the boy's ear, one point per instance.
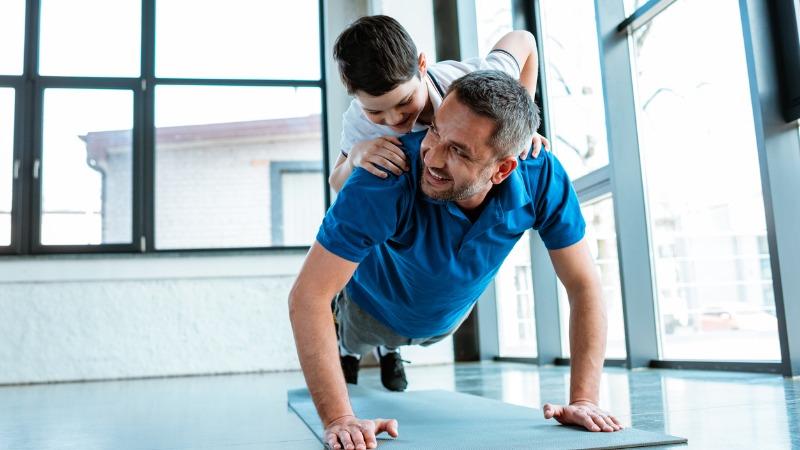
[[423, 64]]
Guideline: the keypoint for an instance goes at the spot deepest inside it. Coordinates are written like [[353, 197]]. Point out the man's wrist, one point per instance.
[[584, 401], [331, 422]]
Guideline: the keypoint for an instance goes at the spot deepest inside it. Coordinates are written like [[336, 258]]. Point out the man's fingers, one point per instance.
[[545, 142], [387, 425], [550, 411], [610, 423], [333, 443], [347, 442], [600, 422], [369, 436], [616, 422], [586, 421], [358, 439]]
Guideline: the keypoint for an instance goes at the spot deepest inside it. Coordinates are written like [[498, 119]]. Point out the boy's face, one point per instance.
[[399, 108]]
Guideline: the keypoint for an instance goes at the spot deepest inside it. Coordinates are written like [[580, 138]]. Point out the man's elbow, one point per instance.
[[295, 302]]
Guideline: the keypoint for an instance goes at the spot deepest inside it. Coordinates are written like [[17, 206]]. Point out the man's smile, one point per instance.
[[434, 178]]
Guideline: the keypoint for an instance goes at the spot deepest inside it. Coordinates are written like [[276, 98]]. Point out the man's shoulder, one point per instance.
[[541, 171], [393, 186]]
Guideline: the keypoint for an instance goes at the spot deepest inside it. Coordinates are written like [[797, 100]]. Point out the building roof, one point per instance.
[[98, 143]]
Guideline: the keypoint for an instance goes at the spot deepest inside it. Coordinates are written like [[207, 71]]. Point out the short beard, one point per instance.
[[455, 193]]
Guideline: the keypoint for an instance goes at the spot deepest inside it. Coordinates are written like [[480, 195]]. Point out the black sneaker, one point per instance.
[[350, 366], [393, 376]]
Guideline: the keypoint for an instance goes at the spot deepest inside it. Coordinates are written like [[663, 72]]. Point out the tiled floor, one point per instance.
[[714, 410]]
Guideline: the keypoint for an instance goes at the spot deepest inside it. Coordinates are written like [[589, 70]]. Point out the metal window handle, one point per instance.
[[36, 165], [16, 169]]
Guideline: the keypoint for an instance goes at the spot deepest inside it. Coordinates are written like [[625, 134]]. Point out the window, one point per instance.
[[217, 149], [6, 163], [162, 125], [514, 293], [93, 38], [87, 167], [12, 35], [250, 39], [707, 220], [574, 88], [494, 21], [602, 239]]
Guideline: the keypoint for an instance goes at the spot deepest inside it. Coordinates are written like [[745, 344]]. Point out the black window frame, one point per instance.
[[29, 96]]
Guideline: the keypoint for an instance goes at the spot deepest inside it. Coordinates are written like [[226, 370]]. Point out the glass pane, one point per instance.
[[514, 293], [707, 225], [632, 5], [238, 166], [237, 39], [6, 163], [494, 21], [574, 87], [12, 35], [87, 167], [601, 236], [416, 16], [95, 38]]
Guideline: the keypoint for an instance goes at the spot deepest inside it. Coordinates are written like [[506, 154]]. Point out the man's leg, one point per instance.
[[359, 333]]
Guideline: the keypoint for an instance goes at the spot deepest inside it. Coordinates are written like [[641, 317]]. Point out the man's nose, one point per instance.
[[435, 156]]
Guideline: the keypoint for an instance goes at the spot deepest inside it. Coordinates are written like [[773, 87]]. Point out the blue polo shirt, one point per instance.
[[422, 262]]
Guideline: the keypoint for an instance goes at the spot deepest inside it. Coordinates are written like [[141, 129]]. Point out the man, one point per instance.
[[415, 251]]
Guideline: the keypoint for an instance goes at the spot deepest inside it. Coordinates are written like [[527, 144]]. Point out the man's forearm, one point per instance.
[[587, 337], [315, 338]]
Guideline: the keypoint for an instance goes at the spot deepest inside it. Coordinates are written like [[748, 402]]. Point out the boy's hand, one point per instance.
[[383, 152], [348, 432], [537, 142]]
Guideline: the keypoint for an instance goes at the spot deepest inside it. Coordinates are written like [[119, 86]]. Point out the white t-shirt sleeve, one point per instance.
[[354, 128]]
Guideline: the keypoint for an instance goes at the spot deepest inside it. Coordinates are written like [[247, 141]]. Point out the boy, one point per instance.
[[396, 92]]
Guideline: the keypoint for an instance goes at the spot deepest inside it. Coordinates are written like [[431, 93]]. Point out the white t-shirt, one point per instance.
[[356, 127]]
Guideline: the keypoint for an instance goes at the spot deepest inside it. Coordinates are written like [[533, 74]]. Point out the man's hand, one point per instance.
[[383, 152], [537, 142], [584, 414], [350, 432]]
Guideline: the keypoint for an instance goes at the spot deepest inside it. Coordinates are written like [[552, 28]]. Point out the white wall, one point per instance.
[[105, 317]]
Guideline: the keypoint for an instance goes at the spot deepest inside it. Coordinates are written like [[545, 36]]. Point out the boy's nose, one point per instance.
[[394, 118]]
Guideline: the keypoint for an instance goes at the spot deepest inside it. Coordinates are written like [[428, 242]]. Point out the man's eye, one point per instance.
[[457, 151], [373, 113]]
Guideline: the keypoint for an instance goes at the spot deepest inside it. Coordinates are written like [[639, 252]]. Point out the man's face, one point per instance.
[[457, 161], [398, 108]]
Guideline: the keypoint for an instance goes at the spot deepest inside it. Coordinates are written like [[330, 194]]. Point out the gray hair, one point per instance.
[[499, 97]]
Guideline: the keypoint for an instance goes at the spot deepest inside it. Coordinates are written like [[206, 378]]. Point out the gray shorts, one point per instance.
[[359, 332]]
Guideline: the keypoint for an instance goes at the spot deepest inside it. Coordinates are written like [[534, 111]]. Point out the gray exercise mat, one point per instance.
[[451, 420]]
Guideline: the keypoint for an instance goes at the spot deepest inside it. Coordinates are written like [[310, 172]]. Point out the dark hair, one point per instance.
[[498, 96], [375, 54]]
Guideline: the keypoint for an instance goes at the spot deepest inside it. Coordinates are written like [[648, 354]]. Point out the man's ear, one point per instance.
[[504, 169], [422, 62]]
